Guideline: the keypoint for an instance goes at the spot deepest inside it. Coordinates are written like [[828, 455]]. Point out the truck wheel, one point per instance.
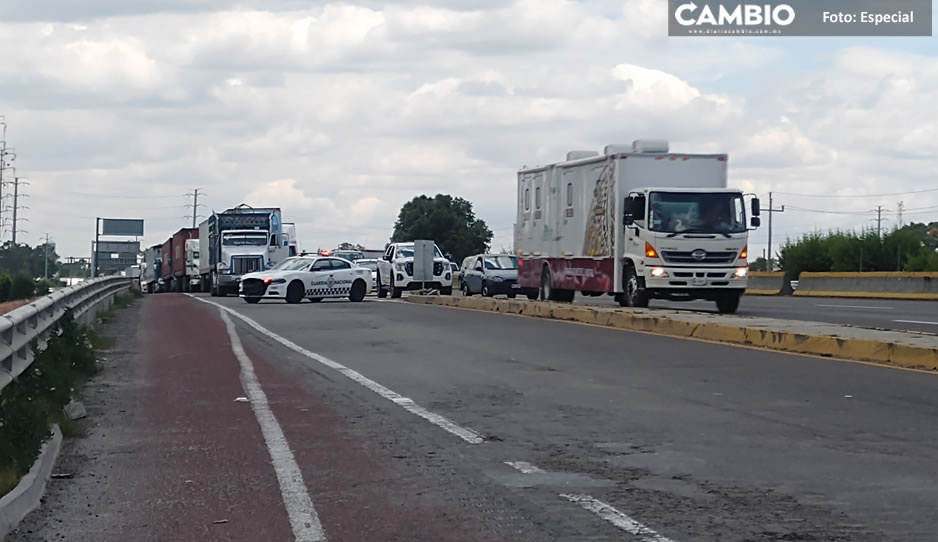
[[635, 295], [252, 300], [446, 291], [358, 291], [295, 292], [395, 291], [547, 290], [728, 303], [382, 293]]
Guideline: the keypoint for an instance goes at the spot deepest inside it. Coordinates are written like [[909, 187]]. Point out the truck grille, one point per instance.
[[253, 287], [245, 265], [709, 257], [409, 268]]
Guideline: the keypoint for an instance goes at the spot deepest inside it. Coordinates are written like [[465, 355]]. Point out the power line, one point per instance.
[[115, 196], [824, 211], [857, 196]]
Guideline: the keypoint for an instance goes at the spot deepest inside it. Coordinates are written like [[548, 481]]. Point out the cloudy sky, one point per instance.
[[341, 112]]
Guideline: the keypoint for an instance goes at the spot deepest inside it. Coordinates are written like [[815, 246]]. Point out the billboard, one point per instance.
[[115, 256], [122, 226]]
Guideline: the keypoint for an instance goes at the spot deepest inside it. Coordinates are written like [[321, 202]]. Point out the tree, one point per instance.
[[761, 264], [37, 260], [447, 220], [23, 287]]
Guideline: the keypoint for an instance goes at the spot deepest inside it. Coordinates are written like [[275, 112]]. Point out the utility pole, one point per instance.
[[46, 258], [771, 210], [17, 181], [879, 221], [195, 205], [901, 208]]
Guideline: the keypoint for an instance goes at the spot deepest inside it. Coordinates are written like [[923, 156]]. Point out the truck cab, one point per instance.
[[192, 264], [686, 243]]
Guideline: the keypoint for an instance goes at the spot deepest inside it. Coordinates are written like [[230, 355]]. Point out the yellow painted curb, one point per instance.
[[868, 295], [763, 292], [903, 355]]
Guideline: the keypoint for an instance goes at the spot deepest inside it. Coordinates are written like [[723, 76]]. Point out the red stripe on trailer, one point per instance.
[[580, 274]]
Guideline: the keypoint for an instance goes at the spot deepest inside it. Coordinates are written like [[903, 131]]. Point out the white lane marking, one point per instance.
[[409, 405], [303, 517], [617, 518], [857, 307], [523, 466], [916, 322]]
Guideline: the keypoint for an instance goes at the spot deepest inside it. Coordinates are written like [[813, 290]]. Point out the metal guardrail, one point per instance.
[[31, 324]]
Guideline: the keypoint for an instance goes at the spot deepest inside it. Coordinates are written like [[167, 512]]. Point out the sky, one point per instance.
[[340, 112]]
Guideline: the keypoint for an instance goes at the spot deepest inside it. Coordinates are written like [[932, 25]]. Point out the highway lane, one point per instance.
[[693, 440], [875, 313]]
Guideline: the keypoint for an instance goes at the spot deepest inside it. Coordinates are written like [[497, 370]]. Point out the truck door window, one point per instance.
[[537, 197], [569, 194]]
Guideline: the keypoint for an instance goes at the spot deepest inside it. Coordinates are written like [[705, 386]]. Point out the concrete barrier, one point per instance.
[[762, 283], [911, 350], [874, 285]]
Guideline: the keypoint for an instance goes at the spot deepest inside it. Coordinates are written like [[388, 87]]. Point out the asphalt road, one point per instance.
[[884, 314], [611, 435]]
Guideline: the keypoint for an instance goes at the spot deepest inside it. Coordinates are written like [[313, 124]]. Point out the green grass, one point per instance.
[[9, 478]]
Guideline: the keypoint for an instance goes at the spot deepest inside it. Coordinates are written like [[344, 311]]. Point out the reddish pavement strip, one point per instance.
[[185, 455]]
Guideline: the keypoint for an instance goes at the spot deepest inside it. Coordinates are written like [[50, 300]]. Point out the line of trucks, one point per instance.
[[214, 256]]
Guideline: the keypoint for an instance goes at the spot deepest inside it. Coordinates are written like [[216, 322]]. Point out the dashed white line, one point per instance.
[[523, 466], [857, 307], [916, 322], [409, 405], [617, 518], [303, 517]]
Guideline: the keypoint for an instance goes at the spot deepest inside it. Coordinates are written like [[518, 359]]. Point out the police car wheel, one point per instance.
[[252, 300], [315, 300], [295, 292], [358, 291]]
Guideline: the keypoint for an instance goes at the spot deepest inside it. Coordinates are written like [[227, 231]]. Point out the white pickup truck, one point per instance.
[[396, 271]]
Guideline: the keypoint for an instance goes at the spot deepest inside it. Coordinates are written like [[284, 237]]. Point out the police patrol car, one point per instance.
[[312, 277]]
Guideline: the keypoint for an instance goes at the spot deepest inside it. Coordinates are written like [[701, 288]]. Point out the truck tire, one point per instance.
[[358, 291], [295, 292], [395, 291], [446, 291], [635, 294], [728, 303], [382, 292], [549, 293]]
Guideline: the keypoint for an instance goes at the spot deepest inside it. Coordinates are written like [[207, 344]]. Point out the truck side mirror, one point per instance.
[[755, 222], [756, 207]]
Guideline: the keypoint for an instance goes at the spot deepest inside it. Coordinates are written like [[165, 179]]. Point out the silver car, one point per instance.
[[373, 266]]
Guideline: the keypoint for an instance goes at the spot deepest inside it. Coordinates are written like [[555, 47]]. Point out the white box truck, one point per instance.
[[636, 222]]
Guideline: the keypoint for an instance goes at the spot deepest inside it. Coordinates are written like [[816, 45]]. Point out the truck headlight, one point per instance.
[[741, 272], [400, 266], [659, 273]]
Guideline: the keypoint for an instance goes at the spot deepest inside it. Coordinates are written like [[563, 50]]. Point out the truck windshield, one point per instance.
[[244, 239], [408, 251], [689, 212]]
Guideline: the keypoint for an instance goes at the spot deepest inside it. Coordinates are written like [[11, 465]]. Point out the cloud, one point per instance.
[[339, 112]]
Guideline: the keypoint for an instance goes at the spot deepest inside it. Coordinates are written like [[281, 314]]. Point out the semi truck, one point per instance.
[[289, 239], [635, 222], [238, 241], [193, 279], [175, 268], [152, 269]]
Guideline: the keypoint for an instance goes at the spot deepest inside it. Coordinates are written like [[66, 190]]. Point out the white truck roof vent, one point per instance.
[[650, 145], [616, 149], [578, 155]]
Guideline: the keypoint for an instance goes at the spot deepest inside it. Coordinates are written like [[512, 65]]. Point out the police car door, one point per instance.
[[342, 278], [319, 273]]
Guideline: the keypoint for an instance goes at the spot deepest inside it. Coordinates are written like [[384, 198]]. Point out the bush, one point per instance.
[[38, 395], [6, 284], [43, 287], [23, 287]]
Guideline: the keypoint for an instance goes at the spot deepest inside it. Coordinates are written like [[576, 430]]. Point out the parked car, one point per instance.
[[493, 274], [371, 264]]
